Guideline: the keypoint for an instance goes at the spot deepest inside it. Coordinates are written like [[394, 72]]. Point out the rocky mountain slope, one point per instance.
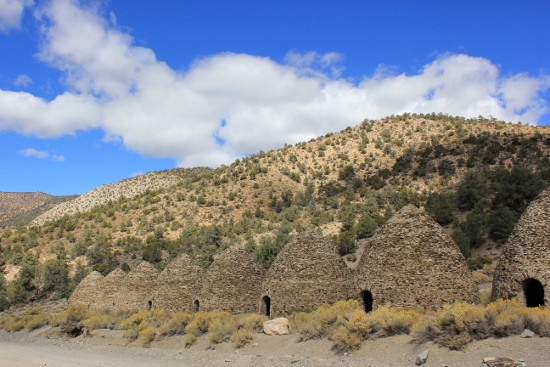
[[14, 206], [112, 192]]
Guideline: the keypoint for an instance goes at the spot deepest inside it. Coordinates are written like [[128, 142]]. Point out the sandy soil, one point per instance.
[[106, 348]]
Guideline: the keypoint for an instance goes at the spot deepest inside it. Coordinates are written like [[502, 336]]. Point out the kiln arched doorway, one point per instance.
[[196, 305], [533, 292], [366, 300], [266, 306]]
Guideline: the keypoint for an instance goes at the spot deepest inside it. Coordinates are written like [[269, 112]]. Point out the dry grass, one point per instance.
[[136, 324], [146, 336], [344, 323], [176, 325], [31, 320], [242, 337], [460, 323], [347, 325], [70, 320], [101, 321]]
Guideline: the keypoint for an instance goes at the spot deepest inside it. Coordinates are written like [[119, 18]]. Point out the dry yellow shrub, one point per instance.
[[100, 321], [189, 339], [242, 337], [221, 328], [176, 325], [146, 336], [199, 324]]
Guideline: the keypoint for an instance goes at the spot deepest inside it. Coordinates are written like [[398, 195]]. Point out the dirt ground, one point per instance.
[[105, 348]]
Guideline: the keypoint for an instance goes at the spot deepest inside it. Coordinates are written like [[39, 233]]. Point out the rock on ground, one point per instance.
[[280, 326]]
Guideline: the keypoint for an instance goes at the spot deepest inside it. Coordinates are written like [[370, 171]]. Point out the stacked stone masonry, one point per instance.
[[177, 285], [523, 271], [88, 290], [307, 273], [233, 282], [409, 262], [108, 288]]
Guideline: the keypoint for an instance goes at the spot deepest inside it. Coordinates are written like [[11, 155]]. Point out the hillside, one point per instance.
[[19, 207], [474, 176], [123, 189]]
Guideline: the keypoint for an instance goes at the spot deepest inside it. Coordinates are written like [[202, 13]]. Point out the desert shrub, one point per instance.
[[347, 324], [344, 340], [516, 319], [251, 321], [100, 321], [365, 227], [189, 339], [142, 320], [457, 324], [70, 320], [388, 320], [176, 325], [4, 320], [445, 326], [33, 322], [221, 327], [242, 337], [219, 324], [12, 324], [131, 334], [75, 313], [146, 336], [199, 324], [323, 321], [345, 242], [508, 323]]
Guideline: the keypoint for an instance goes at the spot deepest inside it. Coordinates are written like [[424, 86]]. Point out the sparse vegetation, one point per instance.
[[345, 323], [474, 176]]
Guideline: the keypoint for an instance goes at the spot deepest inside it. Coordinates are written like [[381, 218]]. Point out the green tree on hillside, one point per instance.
[[4, 303], [55, 278], [23, 288]]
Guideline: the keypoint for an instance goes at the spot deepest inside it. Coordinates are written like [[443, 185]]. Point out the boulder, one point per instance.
[[527, 334], [422, 357], [280, 326]]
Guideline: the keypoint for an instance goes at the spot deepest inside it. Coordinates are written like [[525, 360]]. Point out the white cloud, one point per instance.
[[161, 112], [11, 12], [40, 154], [31, 152], [22, 80], [315, 64], [29, 115]]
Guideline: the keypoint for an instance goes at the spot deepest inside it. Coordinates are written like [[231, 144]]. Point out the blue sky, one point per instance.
[[92, 92]]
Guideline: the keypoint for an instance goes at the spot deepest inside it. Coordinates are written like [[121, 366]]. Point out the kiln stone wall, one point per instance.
[[411, 261], [526, 254], [136, 289], [233, 282], [179, 285], [108, 287], [306, 273], [87, 291]]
